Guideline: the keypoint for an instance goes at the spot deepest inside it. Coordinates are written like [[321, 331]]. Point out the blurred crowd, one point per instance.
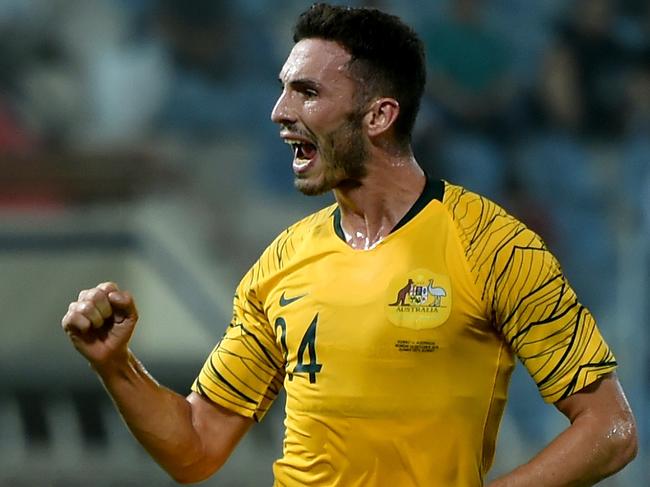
[[542, 105], [545, 106]]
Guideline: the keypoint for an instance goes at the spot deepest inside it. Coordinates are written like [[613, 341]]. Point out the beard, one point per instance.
[[343, 155]]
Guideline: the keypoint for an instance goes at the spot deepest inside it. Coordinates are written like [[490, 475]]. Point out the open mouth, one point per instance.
[[303, 153]]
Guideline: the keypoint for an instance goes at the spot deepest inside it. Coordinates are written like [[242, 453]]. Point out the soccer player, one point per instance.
[[392, 318]]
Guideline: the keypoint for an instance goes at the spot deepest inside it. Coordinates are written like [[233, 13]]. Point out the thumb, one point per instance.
[[123, 306]]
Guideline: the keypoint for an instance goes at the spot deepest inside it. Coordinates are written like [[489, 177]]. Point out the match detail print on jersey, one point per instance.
[[419, 300]]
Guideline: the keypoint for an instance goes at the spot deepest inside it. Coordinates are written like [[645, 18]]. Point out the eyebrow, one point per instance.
[[302, 84]]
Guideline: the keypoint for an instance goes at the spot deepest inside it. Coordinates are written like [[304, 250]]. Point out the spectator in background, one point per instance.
[[637, 115], [587, 95], [585, 72], [27, 51], [466, 118], [16, 138], [635, 147], [471, 80], [216, 68], [217, 56], [86, 82]]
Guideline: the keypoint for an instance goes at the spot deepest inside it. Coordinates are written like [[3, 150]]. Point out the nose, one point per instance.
[[281, 113]]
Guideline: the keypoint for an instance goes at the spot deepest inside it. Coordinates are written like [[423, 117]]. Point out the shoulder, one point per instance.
[[289, 240], [474, 214], [491, 237], [279, 254]]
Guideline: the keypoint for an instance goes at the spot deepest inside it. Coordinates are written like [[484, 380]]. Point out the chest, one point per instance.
[[403, 318]]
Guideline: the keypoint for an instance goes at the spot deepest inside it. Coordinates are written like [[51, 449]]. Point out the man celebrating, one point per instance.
[[392, 318]]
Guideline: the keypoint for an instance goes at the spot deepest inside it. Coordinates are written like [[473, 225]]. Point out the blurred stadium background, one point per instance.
[[136, 146]]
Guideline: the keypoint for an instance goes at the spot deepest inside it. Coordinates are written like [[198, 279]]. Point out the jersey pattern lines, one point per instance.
[[396, 360], [247, 344], [529, 299]]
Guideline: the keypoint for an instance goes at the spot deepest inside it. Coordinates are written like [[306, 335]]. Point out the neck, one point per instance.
[[371, 210]]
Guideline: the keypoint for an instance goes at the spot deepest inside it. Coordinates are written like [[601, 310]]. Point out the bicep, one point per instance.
[[219, 430]]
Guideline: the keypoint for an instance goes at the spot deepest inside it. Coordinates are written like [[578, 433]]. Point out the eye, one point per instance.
[[303, 88]]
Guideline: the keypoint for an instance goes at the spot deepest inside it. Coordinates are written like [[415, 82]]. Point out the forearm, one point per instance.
[[583, 454], [189, 437], [160, 419]]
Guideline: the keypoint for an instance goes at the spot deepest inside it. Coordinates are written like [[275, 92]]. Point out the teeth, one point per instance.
[[297, 146]]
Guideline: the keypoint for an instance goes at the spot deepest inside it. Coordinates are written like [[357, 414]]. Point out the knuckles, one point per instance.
[[95, 305], [107, 287], [75, 320], [86, 307], [94, 294]]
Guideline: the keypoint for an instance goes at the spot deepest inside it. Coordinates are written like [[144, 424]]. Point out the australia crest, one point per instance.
[[419, 300]]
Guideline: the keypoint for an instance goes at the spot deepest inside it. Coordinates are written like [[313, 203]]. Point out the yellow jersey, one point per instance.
[[396, 360]]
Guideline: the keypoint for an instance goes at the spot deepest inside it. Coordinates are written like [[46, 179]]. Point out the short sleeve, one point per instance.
[[539, 315], [529, 300], [244, 372]]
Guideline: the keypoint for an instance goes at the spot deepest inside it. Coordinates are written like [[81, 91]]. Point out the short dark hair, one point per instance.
[[387, 55]]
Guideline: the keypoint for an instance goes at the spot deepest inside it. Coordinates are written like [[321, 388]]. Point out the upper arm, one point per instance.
[[529, 300], [604, 400], [602, 410], [219, 430], [543, 321], [245, 370]]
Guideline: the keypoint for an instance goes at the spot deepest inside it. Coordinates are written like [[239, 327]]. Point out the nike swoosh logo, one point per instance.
[[285, 301]]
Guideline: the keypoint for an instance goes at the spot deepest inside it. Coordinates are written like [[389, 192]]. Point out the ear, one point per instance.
[[381, 116]]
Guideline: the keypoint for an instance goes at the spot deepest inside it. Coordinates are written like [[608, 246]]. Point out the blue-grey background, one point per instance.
[[136, 146]]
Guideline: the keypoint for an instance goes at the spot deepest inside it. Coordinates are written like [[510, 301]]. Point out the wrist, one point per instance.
[[117, 365]]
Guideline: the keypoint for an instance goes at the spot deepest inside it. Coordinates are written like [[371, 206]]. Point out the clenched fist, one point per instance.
[[100, 323]]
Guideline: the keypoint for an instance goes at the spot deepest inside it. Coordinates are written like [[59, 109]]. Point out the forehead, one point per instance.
[[316, 59]]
